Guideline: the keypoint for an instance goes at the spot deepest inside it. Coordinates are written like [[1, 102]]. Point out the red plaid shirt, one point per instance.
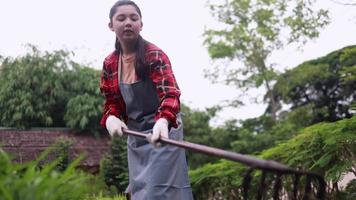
[[160, 72]]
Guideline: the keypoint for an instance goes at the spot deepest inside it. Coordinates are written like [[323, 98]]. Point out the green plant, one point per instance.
[[350, 190], [114, 168], [31, 180], [61, 151], [327, 149], [100, 196], [48, 89]]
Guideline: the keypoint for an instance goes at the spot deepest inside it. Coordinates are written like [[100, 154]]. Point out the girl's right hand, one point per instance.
[[114, 126]]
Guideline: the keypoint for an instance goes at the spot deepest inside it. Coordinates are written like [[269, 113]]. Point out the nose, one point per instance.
[[128, 22]]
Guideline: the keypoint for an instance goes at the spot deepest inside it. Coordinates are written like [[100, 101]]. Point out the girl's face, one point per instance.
[[126, 23]]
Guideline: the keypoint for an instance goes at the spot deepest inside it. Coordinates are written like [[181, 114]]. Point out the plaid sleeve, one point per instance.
[[168, 91], [114, 104]]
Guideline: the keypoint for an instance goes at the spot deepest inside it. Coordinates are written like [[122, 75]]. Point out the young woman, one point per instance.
[[141, 94]]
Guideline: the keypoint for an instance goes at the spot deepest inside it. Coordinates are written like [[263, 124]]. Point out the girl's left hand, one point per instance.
[[160, 129]]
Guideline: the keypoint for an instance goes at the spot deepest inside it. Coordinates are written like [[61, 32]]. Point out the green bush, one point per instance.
[[114, 168], [217, 181], [350, 190], [61, 151], [33, 180], [328, 149], [48, 89], [100, 196]]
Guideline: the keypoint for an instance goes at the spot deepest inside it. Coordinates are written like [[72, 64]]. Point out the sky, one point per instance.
[[81, 26]]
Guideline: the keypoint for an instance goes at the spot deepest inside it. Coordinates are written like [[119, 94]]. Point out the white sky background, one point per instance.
[[175, 26]]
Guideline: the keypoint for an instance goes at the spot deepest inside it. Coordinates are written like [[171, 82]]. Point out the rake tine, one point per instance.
[[321, 189], [295, 186], [307, 189], [262, 187], [277, 186], [246, 183]]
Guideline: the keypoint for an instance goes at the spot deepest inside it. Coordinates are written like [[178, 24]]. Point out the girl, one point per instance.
[[141, 94]]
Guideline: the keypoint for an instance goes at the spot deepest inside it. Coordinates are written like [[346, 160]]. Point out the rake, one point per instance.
[[266, 166]]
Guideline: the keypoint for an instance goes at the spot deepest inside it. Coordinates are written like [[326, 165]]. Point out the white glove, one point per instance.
[[114, 126], [160, 129]]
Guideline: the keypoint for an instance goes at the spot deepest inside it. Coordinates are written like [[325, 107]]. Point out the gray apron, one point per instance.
[[154, 173]]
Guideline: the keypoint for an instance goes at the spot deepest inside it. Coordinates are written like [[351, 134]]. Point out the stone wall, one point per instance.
[[26, 145]]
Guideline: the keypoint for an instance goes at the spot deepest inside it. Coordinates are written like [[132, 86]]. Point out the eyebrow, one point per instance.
[[131, 15]]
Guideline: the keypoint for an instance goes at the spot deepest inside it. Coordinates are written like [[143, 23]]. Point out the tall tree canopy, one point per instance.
[[251, 30], [324, 87], [48, 89]]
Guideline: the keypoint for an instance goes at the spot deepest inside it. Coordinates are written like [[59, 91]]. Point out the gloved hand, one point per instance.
[[160, 129], [114, 126]]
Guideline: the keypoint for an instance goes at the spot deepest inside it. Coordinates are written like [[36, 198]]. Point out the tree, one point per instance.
[[197, 129], [31, 88], [325, 86], [251, 31], [84, 103], [48, 89], [260, 133]]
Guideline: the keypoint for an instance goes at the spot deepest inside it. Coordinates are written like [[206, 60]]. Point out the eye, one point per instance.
[[120, 18], [135, 17]]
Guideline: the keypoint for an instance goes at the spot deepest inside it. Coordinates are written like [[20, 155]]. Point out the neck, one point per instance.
[[128, 48]]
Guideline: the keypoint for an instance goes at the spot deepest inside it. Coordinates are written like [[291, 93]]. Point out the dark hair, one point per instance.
[[140, 65]]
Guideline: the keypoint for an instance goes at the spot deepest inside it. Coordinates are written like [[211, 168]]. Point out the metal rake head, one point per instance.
[[274, 184]]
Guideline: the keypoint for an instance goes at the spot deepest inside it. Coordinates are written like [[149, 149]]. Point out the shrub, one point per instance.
[[28, 181], [114, 168]]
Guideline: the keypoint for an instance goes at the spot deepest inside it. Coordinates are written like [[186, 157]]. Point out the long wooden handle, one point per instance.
[[245, 159]]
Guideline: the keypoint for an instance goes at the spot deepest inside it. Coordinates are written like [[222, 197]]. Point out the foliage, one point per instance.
[[114, 168], [325, 85], [31, 88], [197, 129], [61, 151], [217, 181], [326, 148], [48, 90], [84, 104], [350, 190], [349, 193], [248, 136], [253, 135], [260, 133], [28, 182], [223, 136], [251, 30], [102, 197]]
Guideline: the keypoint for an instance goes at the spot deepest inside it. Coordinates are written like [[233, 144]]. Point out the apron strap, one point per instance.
[[120, 69]]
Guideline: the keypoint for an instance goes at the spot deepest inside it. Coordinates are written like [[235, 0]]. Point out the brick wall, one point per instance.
[[28, 145]]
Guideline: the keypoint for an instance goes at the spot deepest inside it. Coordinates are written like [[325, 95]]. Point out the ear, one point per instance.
[[141, 26], [111, 26]]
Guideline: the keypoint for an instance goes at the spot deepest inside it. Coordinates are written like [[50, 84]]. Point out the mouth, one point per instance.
[[128, 31]]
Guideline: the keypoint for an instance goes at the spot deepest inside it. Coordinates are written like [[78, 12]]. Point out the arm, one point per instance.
[[114, 104], [167, 89]]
